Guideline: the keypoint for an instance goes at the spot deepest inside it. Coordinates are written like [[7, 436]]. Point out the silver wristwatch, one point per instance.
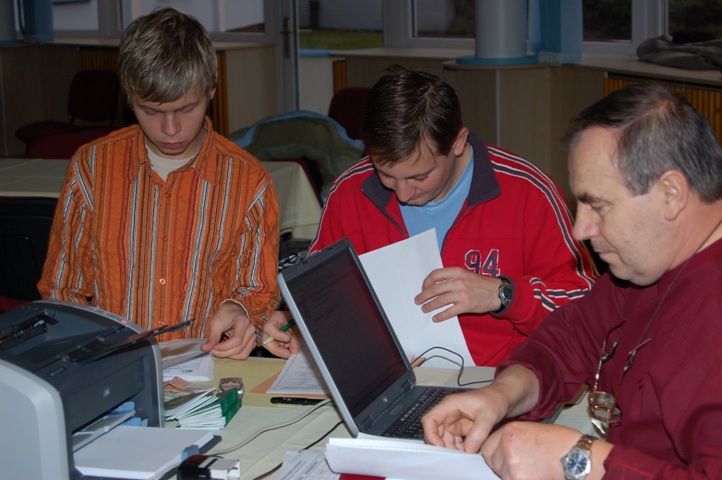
[[578, 462]]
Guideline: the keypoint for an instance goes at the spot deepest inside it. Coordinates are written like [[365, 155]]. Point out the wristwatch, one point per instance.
[[578, 462], [506, 295]]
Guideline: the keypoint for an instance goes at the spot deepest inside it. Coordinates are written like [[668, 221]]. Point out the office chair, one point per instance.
[[347, 108], [64, 145], [93, 98], [24, 230]]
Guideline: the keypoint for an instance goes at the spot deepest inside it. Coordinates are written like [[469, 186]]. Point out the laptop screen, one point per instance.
[[347, 326]]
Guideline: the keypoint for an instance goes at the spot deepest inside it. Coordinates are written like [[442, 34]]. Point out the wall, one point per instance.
[[34, 82], [35, 79]]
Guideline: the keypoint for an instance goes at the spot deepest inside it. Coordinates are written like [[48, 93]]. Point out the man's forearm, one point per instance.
[[521, 388]]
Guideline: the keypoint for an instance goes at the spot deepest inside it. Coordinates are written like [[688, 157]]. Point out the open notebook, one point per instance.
[[354, 346]]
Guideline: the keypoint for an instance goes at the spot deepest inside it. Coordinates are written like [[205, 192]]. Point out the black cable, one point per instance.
[[460, 364]]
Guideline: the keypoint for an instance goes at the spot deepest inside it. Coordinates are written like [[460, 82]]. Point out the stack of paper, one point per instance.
[[407, 459], [180, 350], [137, 452], [205, 410], [198, 369]]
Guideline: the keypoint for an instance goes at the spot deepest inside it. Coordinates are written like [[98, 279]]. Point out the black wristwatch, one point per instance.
[[577, 464], [506, 295]]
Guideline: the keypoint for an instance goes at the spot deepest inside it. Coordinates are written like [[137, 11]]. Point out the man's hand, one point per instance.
[[284, 343], [460, 289], [463, 421], [534, 450], [231, 333]]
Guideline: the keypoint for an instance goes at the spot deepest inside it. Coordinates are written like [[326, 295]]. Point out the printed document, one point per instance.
[[397, 272], [198, 369], [299, 377], [403, 458]]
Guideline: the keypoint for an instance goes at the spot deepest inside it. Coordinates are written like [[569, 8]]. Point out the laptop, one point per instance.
[[354, 346]]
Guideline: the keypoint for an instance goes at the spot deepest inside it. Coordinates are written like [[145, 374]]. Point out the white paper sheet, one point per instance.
[[305, 465], [397, 272], [137, 452], [407, 459], [180, 350], [197, 369], [299, 377]]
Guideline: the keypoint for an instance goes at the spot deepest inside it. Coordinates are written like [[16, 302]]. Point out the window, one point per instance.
[[444, 18], [218, 16], [607, 20], [340, 24], [76, 15], [610, 26], [701, 18], [95, 18]]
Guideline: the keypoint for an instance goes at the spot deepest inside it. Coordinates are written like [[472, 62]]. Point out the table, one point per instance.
[[300, 208], [267, 451]]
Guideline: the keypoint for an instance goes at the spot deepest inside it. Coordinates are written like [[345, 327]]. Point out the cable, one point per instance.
[[265, 474], [273, 427], [460, 364]]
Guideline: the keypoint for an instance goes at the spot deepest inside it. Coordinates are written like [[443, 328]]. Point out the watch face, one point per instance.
[[576, 463]]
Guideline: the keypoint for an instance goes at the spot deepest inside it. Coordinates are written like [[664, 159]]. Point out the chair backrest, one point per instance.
[[64, 145], [347, 108], [24, 230], [93, 96]]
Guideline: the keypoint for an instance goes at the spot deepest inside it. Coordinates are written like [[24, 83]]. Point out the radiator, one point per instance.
[[706, 99]]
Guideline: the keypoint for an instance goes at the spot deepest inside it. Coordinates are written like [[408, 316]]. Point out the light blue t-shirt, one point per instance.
[[441, 214]]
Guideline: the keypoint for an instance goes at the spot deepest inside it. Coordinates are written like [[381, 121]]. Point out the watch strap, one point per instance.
[[583, 447], [506, 295], [585, 442]]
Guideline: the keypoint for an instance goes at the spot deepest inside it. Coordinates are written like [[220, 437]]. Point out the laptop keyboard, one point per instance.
[[409, 424]]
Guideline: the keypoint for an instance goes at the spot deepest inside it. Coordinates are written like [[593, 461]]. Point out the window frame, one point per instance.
[[649, 19], [398, 29], [109, 18]]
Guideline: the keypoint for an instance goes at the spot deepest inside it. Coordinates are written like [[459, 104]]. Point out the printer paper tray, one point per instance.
[[171, 470]]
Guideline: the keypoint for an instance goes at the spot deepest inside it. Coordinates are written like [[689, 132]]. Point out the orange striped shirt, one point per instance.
[[159, 252]]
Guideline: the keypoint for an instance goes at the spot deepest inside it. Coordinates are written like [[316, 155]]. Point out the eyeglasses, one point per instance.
[[602, 405]]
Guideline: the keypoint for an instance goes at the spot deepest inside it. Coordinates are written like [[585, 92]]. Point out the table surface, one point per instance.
[[266, 452], [300, 208]]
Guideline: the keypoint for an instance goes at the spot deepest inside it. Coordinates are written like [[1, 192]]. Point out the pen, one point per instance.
[[283, 329], [295, 400], [416, 361]]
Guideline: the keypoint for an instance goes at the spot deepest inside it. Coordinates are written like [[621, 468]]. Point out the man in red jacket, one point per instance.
[[503, 226]]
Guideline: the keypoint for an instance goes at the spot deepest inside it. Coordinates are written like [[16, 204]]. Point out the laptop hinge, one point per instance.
[[366, 424], [407, 386]]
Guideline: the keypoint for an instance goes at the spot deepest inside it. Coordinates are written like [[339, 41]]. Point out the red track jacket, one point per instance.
[[514, 222]]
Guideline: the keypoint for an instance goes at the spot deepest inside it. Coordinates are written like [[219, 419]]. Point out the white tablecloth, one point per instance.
[[267, 451], [300, 209]]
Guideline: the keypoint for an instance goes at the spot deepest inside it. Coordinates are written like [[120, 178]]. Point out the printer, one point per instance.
[[63, 368]]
